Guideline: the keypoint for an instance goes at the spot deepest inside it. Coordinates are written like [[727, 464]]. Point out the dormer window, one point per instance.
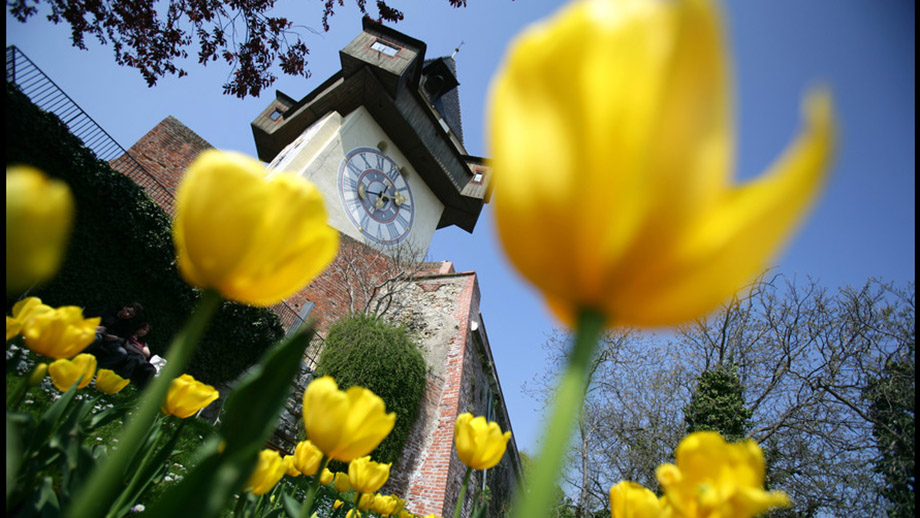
[[385, 48]]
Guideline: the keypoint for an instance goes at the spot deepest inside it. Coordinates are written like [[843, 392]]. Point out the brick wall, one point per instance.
[[164, 153]]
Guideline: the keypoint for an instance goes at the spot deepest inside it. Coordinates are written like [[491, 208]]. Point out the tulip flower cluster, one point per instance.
[[711, 478], [62, 333], [58, 333], [349, 424]]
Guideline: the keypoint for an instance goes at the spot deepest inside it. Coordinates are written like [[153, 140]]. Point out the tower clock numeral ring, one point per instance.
[[376, 196]]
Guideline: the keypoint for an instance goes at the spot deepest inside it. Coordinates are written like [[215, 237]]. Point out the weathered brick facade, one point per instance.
[[439, 306], [163, 153]]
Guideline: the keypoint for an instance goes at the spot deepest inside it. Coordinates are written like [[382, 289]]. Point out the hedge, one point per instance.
[[367, 351], [121, 250]]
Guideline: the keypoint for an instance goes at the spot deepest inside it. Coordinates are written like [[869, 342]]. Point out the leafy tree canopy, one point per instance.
[[152, 39]]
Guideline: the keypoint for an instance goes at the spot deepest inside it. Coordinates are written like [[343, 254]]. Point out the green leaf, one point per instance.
[[44, 502], [118, 410], [291, 506], [251, 414], [51, 419], [15, 423], [152, 467]]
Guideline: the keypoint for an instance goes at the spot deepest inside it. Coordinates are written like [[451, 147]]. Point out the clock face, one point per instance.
[[375, 195]]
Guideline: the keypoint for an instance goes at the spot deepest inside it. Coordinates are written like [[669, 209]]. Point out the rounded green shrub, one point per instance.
[[365, 350]]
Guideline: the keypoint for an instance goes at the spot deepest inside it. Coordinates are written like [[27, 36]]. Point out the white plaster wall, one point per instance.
[[317, 155]]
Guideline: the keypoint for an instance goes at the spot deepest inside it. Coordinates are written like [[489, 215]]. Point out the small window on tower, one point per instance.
[[385, 48], [477, 177], [275, 114]]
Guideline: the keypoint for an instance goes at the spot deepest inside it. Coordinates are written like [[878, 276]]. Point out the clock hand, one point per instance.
[[384, 196], [397, 198]]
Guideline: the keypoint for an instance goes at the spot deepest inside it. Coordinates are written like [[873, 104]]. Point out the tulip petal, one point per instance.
[[553, 124], [733, 242]]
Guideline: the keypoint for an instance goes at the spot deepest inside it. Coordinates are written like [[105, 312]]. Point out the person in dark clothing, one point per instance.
[[137, 366], [112, 334]]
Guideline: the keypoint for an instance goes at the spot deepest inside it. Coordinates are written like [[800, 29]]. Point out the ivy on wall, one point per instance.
[[121, 250]]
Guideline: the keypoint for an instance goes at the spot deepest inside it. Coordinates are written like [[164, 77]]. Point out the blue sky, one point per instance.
[[863, 226]]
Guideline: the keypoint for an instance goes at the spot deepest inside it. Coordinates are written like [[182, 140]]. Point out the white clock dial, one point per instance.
[[375, 195]]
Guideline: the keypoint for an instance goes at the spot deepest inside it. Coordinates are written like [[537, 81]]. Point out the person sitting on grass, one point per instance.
[[112, 334], [137, 366]]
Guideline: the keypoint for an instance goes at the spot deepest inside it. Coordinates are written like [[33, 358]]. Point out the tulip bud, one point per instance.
[[187, 396], [38, 374], [254, 239], [39, 217], [64, 373], [480, 444]]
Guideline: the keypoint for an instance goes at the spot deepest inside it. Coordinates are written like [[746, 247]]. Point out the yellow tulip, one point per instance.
[[56, 333], [268, 472], [290, 468], [387, 505], [12, 327], [109, 382], [365, 502], [326, 477], [631, 500], [715, 478], [38, 374], [612, 140], [480, 444], [398, 505], [307, 458], [64, 373], [406, 514], [337, 504], [255, 240], [39, 217], [22, 311], [344, 424], [367, 476], [353, 513], [187, 396], [340, 482]]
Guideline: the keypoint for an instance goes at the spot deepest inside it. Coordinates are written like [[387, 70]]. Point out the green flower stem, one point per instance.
[[537, 497], [307, 506], [242, 497], [102, 487], [136, 480], [466, 482]]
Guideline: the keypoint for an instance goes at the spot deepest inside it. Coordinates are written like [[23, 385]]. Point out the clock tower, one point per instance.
[[382, 140]]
